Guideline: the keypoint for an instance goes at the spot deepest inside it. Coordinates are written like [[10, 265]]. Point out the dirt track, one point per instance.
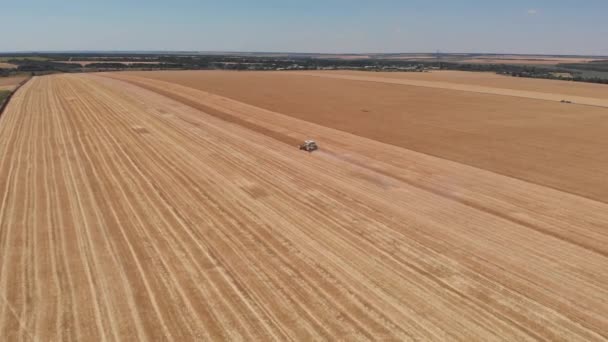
[[128, 215]]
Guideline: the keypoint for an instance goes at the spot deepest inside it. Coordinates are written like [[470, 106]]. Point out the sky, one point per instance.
[[323, 26]]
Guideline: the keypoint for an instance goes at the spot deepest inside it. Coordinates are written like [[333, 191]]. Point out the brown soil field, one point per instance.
[[138, 209], [544, 142], [539, 93], [7, 65], [464, 58]]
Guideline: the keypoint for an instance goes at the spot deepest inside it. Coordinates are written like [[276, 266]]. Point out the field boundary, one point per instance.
[[6, 101]]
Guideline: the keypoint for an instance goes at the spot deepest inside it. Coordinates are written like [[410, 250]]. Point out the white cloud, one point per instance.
[[532, 11]]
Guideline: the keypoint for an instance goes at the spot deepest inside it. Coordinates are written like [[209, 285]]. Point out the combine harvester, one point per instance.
[[309, 146]]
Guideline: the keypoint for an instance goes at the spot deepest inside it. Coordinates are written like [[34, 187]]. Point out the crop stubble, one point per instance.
[[10, 83], [134, 208]]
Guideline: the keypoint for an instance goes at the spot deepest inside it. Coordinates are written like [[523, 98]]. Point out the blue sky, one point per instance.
[[341, 26]]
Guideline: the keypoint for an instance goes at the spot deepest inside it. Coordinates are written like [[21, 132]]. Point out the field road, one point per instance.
[[136, 209]]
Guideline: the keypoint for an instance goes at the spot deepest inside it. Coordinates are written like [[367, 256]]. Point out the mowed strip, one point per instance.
[[128, 215]]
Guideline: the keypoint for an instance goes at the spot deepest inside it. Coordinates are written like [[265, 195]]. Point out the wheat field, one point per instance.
[[138, 209]]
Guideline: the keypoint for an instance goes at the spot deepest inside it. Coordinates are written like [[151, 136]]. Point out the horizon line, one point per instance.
[[294, 53]]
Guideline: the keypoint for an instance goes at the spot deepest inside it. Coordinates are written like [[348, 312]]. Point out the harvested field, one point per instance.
[[137, 209], [466, 58], [7, 66], [528, 60], [493, 80], [467, 121], [10, 83]]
